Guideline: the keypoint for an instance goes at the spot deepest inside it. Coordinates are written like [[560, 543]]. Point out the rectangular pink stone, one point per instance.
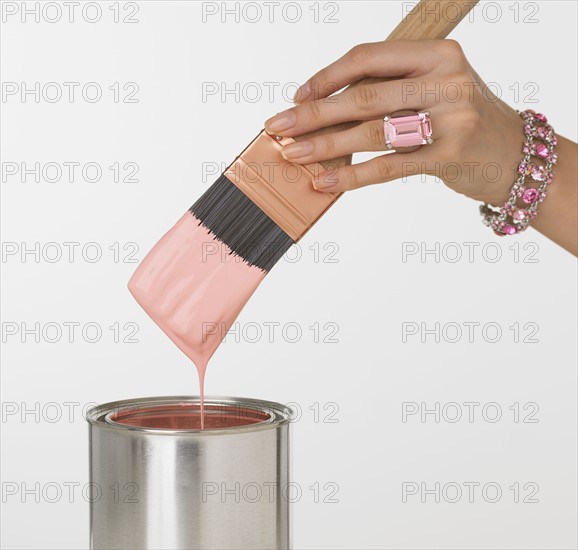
[[407, 131]]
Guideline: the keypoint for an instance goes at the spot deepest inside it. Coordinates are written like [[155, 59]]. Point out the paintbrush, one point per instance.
[[197, 278]]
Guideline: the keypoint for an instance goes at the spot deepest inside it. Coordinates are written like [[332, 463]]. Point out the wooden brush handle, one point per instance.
[[432, 19], [428, 20]]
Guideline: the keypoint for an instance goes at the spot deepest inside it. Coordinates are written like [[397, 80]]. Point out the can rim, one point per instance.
[[279, 414]]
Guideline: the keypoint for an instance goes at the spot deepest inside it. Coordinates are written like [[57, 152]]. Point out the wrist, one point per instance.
[[558, 219], [510, 151]]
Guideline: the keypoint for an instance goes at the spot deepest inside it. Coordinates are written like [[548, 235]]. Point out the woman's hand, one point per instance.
[[477, 137]]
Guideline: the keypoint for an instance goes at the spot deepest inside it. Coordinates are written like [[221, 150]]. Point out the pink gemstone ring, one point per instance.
[[407, 130]]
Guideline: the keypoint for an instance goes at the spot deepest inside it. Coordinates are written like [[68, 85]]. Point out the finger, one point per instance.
[[378, 170], [398, 58], [362, 102], [367, 136]]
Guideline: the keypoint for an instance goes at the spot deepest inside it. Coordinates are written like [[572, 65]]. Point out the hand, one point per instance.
[[477, 137]]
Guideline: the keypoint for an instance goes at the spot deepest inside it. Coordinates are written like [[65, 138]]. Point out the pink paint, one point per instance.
[[193, 288], [188, 416]]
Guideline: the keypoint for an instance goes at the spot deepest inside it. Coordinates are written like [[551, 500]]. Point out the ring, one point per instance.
[[408, 130]]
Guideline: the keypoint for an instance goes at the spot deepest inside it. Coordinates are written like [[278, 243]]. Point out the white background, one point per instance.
[[368, 291]]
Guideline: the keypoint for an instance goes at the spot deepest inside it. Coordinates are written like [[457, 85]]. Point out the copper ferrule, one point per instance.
[[282, 189]]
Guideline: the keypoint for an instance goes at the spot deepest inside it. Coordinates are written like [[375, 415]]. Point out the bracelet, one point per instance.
[[540, 142]]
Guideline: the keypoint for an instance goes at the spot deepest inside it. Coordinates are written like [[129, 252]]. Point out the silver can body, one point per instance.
[[159, 482]]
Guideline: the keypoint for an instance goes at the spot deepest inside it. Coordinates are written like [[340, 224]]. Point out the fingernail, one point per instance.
[[296, 150], [325, 181], [281, 122], [302, 93]]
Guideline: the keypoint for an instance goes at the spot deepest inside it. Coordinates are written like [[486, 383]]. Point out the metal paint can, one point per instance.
[[157, 481]]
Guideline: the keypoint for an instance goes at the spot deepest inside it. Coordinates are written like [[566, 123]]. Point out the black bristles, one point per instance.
[[239, 223]]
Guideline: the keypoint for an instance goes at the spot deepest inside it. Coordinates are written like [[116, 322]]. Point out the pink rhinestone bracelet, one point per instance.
[[540, 142]]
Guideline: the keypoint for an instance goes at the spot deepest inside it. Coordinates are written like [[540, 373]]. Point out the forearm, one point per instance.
[[558, 214]]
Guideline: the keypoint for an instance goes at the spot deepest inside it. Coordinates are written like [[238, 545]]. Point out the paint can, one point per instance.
[[157, 481]]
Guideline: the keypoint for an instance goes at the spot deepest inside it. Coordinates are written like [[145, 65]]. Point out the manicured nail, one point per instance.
[[281, 122], [297, 149], [325, 181], [302, 93]]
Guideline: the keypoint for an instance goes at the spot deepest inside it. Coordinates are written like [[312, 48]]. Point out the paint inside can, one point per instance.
[[188, 416]]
